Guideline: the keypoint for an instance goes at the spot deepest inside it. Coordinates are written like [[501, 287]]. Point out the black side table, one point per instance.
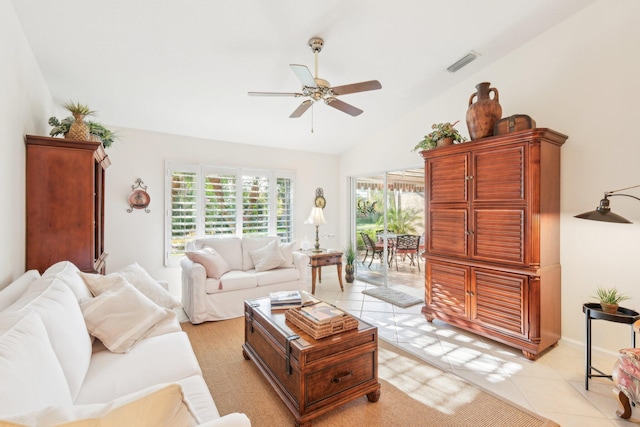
[[594, 311]]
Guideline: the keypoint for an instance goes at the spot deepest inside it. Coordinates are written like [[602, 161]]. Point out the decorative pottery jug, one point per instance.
[[484, 113], [349, 273]]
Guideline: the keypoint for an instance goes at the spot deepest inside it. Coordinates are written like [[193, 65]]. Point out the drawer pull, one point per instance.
[[343, 377]]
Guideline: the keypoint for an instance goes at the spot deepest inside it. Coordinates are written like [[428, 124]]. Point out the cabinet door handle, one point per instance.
[[468, 177], [469, 233]]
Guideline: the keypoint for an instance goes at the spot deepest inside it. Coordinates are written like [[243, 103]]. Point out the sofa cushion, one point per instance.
[[250, 244], [197, 394], [56, 304], [287, 249], [267, 257], [68, 273], [229, 248], [279, 275], [30, 374], [13, 291], [233, 280], [121, 316], [160, 405], [211, 260], [161, 359]]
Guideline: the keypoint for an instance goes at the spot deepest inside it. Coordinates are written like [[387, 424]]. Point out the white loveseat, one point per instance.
[[222, 272], [51, 373]]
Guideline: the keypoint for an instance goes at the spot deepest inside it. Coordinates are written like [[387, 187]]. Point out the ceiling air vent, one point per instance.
[[462, 61]]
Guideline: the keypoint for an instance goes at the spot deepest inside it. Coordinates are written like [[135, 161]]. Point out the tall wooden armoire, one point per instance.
[[65, 203], [492, 242]]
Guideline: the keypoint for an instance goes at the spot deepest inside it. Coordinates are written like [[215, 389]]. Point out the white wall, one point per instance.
[[581, 79], [25, 106], [139, 236]]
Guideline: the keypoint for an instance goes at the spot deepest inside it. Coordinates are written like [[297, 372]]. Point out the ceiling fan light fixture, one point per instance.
[[465, 60]]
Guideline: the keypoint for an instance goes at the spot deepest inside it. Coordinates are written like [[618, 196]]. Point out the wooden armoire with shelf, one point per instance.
[[492, 241], [65, 203]]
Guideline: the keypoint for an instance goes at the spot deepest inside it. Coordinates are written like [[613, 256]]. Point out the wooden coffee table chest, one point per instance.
[[311, 376]]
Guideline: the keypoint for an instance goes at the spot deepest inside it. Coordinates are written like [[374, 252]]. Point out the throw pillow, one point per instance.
[[31, 376], [138, 278], [121, 316], [287, 253], [162, 405], [267, 257], [211, 260], [251, 244], [142, 281]]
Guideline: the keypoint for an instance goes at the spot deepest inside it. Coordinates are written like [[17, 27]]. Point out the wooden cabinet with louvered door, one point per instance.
[[492, 254]]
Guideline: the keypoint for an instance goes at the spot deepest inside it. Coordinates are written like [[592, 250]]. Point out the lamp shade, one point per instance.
[[603, 213], [316, 217]]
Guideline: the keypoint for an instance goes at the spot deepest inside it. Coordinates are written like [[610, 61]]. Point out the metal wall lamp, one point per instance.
[[603, 212]]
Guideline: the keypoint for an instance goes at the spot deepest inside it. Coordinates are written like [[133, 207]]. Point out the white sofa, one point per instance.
[[51, 373], [222, 272]]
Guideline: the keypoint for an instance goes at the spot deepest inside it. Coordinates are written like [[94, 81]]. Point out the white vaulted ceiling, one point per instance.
[[185, 67]]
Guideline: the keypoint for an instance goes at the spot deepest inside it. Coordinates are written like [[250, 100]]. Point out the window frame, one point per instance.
[[171, 257]]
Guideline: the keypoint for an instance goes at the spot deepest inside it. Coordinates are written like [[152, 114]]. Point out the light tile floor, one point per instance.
[[552, 386]]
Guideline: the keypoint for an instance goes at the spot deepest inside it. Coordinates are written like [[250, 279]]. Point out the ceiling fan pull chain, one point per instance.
[[311, 118]]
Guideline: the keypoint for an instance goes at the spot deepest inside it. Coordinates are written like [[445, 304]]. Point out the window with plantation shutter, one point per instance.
[[255, 205], [219, 204], [207, 201], [183, 218], [284, 209]]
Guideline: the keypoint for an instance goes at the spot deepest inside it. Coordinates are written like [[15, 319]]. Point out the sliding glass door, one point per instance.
[[388, 207]]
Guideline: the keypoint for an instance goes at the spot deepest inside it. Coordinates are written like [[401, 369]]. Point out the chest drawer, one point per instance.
[[334, 379]]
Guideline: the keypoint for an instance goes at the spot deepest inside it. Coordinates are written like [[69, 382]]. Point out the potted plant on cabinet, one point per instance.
[[609, 299], [75, 127], [350, 258], [441, 134]]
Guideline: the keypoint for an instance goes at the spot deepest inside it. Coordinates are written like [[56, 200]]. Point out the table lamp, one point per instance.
[[603, 211], [316, 217]]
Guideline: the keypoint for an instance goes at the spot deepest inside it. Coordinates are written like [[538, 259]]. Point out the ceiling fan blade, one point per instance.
[[343, 106], [356, 87], [274, 94], [304, 75], [301, 109]]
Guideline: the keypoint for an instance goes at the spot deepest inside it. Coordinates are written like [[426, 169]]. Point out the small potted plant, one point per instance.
[[442, 134], [75, 127], [609, 299], [350, 258]]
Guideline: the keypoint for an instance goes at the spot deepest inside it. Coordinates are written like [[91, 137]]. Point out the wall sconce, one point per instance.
[[316, 217], [603, 212], [138, 198]]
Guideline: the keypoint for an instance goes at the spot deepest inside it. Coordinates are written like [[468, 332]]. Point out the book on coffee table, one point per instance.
[[285, 299]]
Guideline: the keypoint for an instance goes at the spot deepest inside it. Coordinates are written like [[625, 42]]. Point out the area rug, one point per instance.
[[413, 392], [392, 296]]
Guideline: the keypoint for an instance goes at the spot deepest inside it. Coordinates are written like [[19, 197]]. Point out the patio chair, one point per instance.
[[408, 245], [373, 247]]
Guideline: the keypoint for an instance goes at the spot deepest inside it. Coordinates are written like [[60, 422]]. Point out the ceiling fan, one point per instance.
[[317, 89]]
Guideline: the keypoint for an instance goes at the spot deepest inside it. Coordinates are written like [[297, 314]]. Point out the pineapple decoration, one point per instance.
[[78, 129]]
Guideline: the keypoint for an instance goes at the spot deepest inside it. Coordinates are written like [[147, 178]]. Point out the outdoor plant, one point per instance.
[[439, 131], [609, 296]]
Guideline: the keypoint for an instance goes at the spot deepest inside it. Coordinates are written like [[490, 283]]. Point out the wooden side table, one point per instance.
[[593, 311], [322, 259]]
